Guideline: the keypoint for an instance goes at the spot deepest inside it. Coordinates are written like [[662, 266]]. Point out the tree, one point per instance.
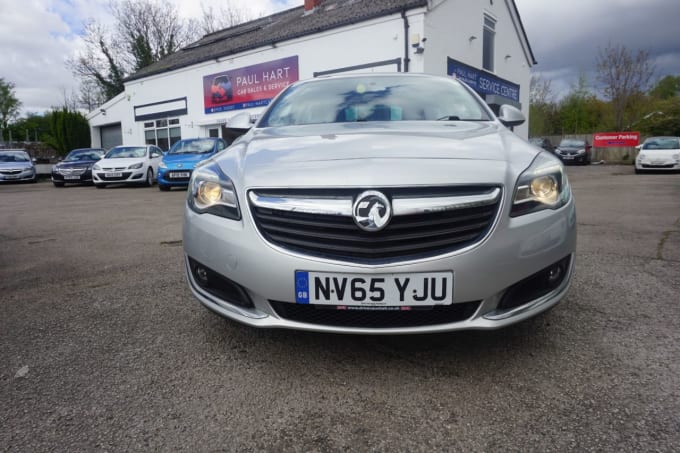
[[67, 130], [144, 32], [227, 16], [666, 88], [625, 77], [542, 107], [580, 111], [9, 105]]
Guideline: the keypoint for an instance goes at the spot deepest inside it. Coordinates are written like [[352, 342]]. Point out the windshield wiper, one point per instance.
[[449, 118]]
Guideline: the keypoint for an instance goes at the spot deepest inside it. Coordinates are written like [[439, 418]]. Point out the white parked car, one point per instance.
[[128, 165], [658, 153]]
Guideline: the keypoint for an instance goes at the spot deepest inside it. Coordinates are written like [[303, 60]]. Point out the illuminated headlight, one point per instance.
[[136, 166], [96, 167], [162, 165], [544, 185], [212, 192]]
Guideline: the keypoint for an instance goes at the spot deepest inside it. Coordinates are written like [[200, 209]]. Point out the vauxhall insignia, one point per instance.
[[372, 211]]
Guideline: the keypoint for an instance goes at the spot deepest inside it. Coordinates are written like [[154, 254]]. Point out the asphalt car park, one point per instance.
[[103, 347]]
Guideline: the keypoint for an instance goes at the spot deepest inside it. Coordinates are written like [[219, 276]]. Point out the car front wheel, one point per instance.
[[149, 178]]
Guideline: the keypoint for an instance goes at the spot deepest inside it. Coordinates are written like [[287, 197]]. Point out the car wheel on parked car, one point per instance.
[[149, 178], [163, 188]]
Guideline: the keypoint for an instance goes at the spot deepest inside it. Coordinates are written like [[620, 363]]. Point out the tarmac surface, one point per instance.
[[103, 347]]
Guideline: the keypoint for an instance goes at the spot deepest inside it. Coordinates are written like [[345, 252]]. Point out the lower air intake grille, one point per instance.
[[417, 316]]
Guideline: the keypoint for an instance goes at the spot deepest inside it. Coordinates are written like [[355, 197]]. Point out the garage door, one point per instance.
[[111, 136]]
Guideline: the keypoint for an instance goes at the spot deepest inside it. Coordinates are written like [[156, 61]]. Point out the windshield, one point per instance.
[[84, 154], [374, 98], [193, 146], [14, 156], [570, 143], [122, 152], [661, 143]]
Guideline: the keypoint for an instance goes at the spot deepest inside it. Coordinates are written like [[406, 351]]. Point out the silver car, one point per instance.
[[16, 165], [380, 204]]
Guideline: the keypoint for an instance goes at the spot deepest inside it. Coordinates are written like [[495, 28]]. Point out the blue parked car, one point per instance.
[[178, 163]]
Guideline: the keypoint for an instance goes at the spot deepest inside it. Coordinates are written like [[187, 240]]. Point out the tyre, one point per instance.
[[58, 184], [637, 171], [100, 186], [163, 187], [149, 178]]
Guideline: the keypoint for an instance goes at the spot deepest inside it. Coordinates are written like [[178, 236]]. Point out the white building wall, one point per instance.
[[454, 28]]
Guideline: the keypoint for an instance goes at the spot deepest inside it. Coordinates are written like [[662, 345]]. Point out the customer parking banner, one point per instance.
[[251, 86], [616, 139]]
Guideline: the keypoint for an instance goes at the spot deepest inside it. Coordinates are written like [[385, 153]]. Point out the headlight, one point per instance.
[[580, 151], [54, 168], [96, 167], [212, 192], [676, 157], [136, 166], [544, 185], [162, 165]]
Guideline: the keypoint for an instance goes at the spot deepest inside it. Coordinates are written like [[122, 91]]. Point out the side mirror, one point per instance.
[[241, 121], [154, 155], [638, 147], [511, 116]]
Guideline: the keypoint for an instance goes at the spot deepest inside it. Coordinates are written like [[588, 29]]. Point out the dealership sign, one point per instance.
[[616, 139], [483, 82], [252, 86]]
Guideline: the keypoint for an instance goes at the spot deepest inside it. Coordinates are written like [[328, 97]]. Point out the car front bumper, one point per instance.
[[657, 165], [127, 177], [15, 176], [513, 251], [165, 179], [85, 177]]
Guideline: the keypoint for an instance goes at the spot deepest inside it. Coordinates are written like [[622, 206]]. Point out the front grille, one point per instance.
[[114, 168], [72, 171], [405, 237], [11, 171], [125, 176], [413, 317]]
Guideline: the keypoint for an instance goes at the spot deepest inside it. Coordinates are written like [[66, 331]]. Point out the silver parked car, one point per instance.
[[16, 165], [386, 204]]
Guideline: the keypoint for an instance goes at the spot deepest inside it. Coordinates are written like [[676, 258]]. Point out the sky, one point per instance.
[[37, 37]]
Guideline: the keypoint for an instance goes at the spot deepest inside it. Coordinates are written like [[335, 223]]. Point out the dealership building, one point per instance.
[[198, 91]]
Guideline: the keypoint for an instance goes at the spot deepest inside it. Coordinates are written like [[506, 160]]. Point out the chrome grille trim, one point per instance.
[[342, 206], [433, 221]]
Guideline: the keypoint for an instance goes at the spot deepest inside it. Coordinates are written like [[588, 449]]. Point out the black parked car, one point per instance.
[[76, 166], [574, 150], [542, 142]]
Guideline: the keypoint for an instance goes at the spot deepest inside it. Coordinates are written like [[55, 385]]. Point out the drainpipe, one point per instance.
[[407, 60]]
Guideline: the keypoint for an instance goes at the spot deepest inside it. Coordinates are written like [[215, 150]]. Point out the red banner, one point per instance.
[[252, 86], [616, 139]]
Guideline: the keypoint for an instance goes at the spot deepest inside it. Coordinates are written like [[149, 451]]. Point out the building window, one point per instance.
[[162, 133], [489, 39], [213, 133]]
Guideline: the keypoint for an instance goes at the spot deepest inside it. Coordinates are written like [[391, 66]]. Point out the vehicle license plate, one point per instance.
[[71, 177], [568, 157], [114, 175], [377, 290], [12, 176], [180, 174]]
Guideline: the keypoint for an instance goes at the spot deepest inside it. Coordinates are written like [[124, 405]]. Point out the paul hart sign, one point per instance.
[[251, 86], [616, 139]]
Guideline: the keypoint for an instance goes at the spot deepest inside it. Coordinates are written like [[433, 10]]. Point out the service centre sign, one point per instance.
[[616, 139], [252, 86], [482, 82]]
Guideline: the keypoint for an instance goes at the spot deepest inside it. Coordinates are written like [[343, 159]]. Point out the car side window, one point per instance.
[[221, 145]]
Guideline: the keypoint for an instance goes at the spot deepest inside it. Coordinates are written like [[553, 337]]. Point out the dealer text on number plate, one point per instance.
[[375, 290]]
